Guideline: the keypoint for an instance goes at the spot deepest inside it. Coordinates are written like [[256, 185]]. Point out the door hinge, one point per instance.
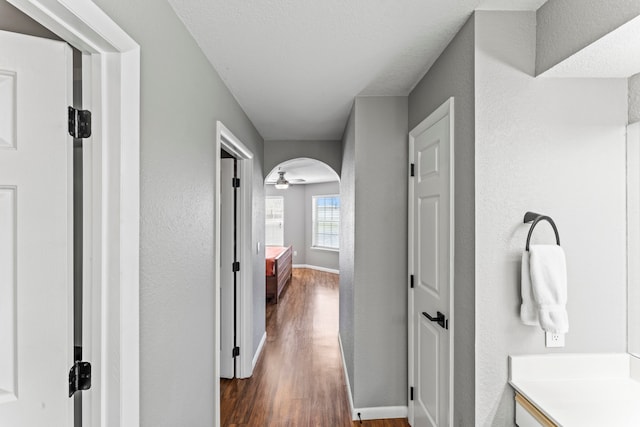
[[80, 373], [79, 123], [411, 393], [413, 167], [411, 281], [236, 182], [236, 352], [236, 266]]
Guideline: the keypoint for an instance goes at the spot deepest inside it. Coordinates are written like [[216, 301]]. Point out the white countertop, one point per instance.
[[580, 390]]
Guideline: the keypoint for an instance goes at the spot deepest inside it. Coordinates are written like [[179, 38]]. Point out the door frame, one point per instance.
[[446, 109], [111, 163], [225, 139]]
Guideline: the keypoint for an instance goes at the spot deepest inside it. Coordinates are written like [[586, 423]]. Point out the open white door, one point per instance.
[[227, 280], [431, 268], [36, 226]]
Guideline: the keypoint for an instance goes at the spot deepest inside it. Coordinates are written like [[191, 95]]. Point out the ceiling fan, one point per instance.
[[282, 183]]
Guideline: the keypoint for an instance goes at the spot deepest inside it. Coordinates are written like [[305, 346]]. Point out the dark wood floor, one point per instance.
[[299, 379]]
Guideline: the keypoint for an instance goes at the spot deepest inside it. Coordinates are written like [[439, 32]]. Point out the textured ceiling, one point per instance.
[[295, 66]]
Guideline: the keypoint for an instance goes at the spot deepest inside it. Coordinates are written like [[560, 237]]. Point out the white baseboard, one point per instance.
[[259, 350], [314, 267], [346, 378], [380, 413], [374, 413]]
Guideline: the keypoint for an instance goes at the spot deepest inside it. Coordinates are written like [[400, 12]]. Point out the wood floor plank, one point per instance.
[[298, 380]]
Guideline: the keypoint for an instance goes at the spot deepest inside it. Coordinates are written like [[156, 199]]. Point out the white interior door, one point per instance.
[[36, 226], [431, 253], [227, 313]]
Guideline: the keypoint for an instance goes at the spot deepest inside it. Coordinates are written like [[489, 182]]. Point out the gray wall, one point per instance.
[[634, 98], [276, 152], [376, 139], [294, 220], [567, 26], [555, 146], [12, 19], [453, 75], [348, 245], [182, 96], [298, 222]]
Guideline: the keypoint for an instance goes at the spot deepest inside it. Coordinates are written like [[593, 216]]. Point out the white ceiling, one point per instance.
[[310, 171], [295, 66]]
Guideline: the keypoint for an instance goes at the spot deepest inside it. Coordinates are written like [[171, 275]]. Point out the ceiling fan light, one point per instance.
[[282, 183]]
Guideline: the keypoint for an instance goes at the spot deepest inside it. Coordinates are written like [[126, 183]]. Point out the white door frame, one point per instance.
[[111, 90], [244, 304], [445, 109]]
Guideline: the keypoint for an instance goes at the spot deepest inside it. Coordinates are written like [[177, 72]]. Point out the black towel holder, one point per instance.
[[536, 218]]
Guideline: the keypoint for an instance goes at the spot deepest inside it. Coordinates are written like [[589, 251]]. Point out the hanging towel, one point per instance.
[[528, 309], [548, 271]]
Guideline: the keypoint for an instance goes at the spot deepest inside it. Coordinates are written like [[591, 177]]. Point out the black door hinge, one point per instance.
[[80, 373], [236, 266], [411, 281], [236, 182], [79, 123], [236, 352], [411, 393], [413, 167]]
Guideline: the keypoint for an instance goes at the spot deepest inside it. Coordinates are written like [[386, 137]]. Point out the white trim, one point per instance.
[[111, 329], [320, 248], [447, 108], [256, 356], [380, 413], [313, 222], [346, 379], [314, 267], [633, 236], [372, 413], [244, 308]]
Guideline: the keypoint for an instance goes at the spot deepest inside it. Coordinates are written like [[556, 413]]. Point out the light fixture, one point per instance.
[[282, 183]]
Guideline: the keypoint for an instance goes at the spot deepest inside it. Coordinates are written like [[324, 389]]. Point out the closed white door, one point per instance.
[[431, 252], [227, 258], [36, 282]]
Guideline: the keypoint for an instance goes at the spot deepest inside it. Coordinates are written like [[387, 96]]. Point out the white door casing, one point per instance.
[[226, 140], [431, 222], [227, 312], [111, 90], [36, 232]]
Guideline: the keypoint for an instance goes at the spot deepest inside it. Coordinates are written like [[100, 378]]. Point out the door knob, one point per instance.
[[439, 319]]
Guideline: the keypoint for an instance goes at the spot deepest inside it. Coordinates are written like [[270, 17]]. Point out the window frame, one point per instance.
[[314, 244], [266, 220]]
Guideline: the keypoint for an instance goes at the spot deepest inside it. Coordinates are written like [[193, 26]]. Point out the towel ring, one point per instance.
[[536, 218]]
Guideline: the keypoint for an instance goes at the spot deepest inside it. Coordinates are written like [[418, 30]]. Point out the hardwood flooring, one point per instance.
[[298, 380]]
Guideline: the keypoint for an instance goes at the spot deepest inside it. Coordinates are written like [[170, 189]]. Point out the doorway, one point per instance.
[[110, 206], [431, 272], [242, 158]]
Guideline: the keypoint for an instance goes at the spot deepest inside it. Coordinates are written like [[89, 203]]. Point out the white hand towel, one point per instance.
[[528, 309], [548, 271]]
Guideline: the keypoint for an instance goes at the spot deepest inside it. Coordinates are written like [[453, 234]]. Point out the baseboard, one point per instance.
[[314, 267], [374, 413], [380, 413], [259, 350], [346, 379]]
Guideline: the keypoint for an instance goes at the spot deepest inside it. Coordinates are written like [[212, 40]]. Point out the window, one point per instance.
[[326, 222], [274, 226]]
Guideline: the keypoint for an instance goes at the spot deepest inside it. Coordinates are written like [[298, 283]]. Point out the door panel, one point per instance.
[[227, 258], [36, 226], [431, 260]]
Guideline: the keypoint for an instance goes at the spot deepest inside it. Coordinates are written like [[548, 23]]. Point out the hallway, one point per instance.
[[299, 379]]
